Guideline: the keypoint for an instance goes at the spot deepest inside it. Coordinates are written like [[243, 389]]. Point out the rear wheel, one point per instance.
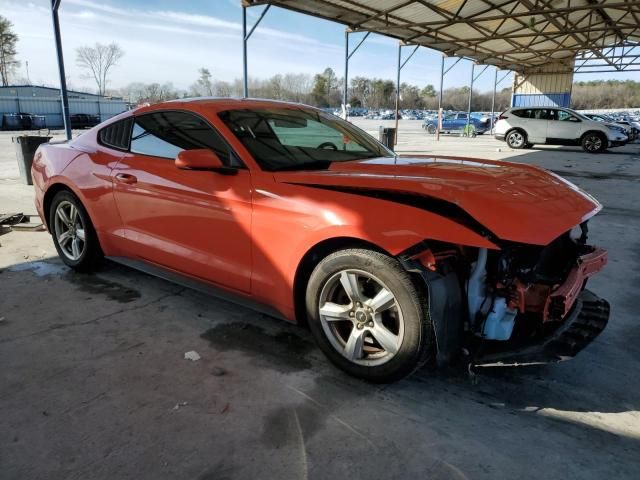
[[367, 315], [594, 142], [73, 234], [431, 129], [516, 139]]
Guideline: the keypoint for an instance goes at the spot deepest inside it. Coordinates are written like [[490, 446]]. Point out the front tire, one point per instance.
[[431, 129], [594, 142], [73, 234], [367, 315], [516, 139]]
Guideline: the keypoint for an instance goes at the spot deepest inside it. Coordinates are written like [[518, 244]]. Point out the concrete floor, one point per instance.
[[94, 383]]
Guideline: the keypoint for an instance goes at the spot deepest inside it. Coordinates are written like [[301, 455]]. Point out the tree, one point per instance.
[[98, 61], [204, 86], [8, 40]]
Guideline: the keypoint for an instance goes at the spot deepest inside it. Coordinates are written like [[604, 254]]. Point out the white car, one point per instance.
[[522, 127]]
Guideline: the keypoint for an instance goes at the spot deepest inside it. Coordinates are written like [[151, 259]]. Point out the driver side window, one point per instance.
[[565, 116], [166, 134]]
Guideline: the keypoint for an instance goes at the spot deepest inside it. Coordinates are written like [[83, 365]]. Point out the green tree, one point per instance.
[[8, 52]]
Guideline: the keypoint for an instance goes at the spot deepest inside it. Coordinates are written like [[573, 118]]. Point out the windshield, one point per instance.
[[299, 138]]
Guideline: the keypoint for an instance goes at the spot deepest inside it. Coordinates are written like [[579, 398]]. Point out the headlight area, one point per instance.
[[514, 302]]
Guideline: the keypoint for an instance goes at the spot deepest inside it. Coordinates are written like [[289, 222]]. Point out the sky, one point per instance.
[[168, 41]]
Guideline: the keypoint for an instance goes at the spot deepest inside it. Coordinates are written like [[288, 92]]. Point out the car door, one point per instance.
[[194, 222], [535, 122], [564, 127]]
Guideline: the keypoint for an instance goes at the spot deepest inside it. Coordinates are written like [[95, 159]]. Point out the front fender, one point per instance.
[[289, 220]]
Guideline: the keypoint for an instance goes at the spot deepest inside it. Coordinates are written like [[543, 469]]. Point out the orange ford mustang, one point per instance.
[[393, 262]]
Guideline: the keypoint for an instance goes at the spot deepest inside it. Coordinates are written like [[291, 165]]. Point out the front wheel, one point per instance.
[[594, 142], [73, 234], [431, 129], [367, 315]]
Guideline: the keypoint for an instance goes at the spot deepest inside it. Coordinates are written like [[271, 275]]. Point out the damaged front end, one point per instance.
[[522, 304]]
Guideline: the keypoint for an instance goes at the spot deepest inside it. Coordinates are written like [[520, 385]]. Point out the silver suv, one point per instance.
[[522, 127]]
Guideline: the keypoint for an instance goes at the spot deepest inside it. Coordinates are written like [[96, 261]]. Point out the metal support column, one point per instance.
[[493, 99], [473, 66], [245, 79], [440, 100], [443, 72], [347, 57], [64, 99], [346, 74], [400, 67], [395, 139], [245, 38]]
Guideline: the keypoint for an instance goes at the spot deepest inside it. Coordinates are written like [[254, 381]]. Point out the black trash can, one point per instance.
[[11, 121], [26, 146], [387, 136]]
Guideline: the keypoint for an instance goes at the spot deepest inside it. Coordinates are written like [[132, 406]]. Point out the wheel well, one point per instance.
[[309, 262], [526, 137], [48, 198], [597, 132]]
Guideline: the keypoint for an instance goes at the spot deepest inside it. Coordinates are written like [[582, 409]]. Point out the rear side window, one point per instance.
[[166, 134], [522, 113], [116, 135]]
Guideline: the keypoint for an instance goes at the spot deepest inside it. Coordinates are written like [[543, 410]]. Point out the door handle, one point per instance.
[[126, 178]]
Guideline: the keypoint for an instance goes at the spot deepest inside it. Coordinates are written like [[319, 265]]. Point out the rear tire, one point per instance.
[[368, 317], [73, 234], [594, 142], [516, 139], [431, 129]]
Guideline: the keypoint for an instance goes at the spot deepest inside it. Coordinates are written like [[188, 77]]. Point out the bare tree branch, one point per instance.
[[98, 61]]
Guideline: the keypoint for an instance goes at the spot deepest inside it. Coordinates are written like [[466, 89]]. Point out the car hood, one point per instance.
[[515, 202]]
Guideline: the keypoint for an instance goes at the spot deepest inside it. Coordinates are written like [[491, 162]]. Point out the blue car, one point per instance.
[[456, 122]]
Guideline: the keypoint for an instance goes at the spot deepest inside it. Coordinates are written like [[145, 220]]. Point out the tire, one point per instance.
[[516, 139], [528, 146], [69, 223], [391, 332], [594, 142], [431, 129]]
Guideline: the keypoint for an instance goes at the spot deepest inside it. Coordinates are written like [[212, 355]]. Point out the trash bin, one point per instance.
[[26, 146], [387, 136]]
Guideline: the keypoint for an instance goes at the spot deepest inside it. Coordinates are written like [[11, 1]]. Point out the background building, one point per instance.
[[46, 101]]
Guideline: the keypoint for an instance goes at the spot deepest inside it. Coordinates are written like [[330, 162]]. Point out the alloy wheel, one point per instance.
[[593, 143], [69, 230], [516, 139], [361, 317]]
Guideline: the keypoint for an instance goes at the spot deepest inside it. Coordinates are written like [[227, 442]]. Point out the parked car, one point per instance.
[[457, 122], [392, 262], [522, 127], [84, 120], [624, 126]]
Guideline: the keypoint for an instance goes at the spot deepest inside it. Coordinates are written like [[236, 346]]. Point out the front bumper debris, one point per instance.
[[587, 319]]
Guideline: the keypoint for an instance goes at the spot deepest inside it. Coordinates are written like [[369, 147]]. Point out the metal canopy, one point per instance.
[[519, 35]]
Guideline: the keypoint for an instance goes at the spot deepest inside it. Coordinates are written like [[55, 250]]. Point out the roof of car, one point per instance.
[[220, 103]]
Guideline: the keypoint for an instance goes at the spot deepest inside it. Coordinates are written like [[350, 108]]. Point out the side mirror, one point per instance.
[[202, 159]]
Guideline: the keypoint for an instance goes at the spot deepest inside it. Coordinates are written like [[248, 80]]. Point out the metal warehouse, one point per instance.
[[46, 101]]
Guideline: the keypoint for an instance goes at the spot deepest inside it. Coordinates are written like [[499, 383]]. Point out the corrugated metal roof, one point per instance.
[[519, 35]]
